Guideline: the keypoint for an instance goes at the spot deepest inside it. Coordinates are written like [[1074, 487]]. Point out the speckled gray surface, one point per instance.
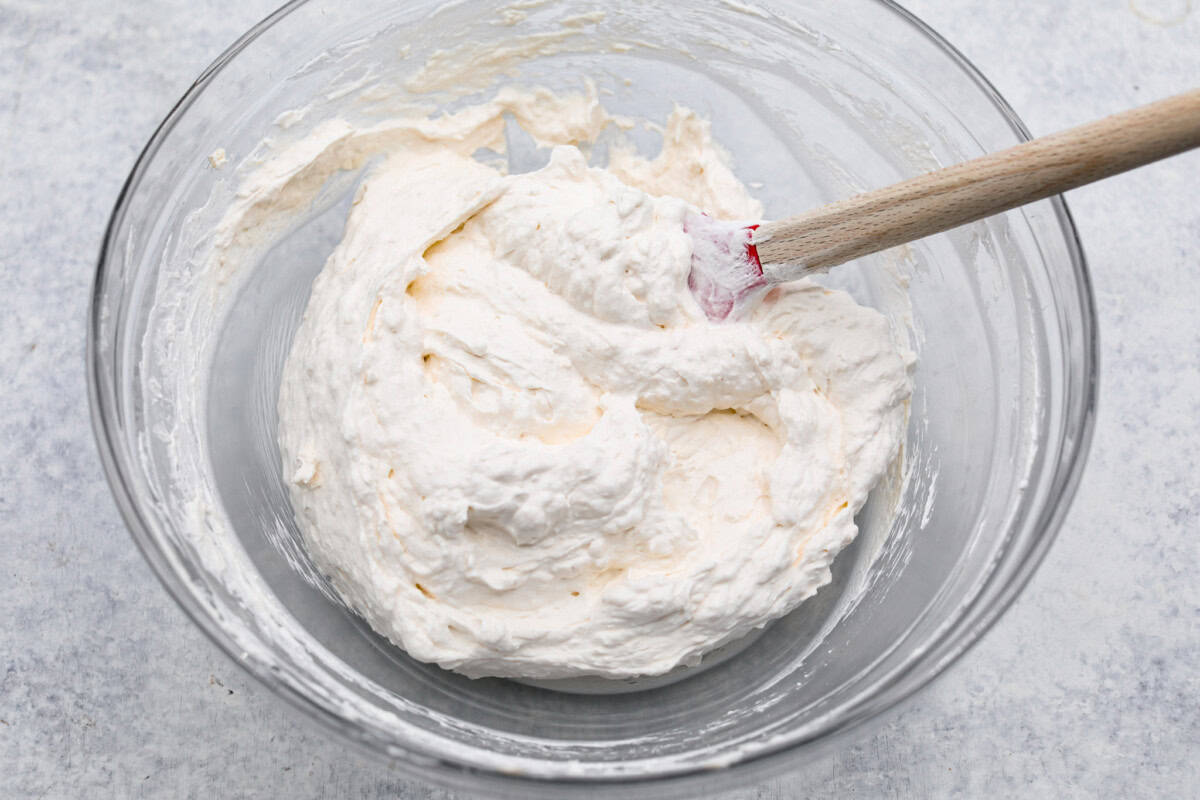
[[1089, 686]]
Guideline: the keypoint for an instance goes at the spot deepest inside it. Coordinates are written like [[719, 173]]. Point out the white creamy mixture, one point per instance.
[[514, 441]]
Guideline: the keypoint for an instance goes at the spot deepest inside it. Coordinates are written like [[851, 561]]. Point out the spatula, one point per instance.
[[733, 264]]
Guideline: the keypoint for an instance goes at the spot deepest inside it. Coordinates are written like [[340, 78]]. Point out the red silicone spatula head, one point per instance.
[[726, 273]]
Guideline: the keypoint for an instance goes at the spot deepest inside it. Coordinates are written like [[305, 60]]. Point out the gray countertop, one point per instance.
[[1089, 685]]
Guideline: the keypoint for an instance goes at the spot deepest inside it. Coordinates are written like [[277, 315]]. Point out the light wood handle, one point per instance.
[[937, 201]]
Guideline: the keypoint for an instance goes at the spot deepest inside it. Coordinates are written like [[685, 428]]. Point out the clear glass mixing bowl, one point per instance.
[[814, 100]]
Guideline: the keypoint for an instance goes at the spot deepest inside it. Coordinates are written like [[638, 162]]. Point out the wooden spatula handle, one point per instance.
[[953, 196]]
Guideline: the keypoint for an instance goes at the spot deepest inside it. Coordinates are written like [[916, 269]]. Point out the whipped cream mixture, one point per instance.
[[515, 443]]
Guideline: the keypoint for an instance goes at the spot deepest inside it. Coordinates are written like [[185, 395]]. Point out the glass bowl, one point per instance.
[[814, 100]]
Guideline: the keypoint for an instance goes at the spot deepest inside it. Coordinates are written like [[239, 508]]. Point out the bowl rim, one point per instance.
[[968, 630]]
